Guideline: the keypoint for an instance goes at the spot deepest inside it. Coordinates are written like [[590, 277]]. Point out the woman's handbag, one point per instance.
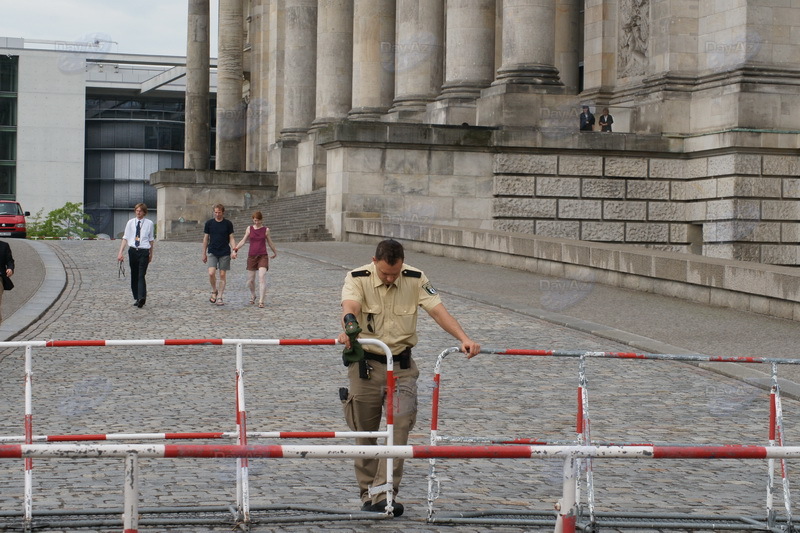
[[7, 283]]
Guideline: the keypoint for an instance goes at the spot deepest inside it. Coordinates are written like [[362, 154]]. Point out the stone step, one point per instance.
[[290, 219]]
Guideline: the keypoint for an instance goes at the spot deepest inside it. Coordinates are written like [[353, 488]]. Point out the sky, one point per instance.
[[120, 26]]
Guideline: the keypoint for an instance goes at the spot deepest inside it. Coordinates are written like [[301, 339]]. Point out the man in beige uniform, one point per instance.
[[384, 297]]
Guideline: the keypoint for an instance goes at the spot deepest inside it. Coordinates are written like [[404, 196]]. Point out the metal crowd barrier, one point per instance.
[[571, 514], [241, 434], [571, 511]]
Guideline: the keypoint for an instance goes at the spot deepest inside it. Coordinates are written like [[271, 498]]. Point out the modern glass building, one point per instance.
[[9, 66], [80, 124]]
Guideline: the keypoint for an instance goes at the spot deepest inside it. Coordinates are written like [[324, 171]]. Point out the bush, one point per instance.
[[68, 222]]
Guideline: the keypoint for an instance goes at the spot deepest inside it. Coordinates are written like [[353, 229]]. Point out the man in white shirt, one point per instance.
[[139, 238]]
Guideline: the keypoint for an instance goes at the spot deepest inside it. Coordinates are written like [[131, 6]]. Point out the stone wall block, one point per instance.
[[646, 232], [603, 231], [570, 165], [679, 169], [781, 210], [779, 254], [694, 190], [580, 209], [791, 188], [514, 185], [735, 209], [781, 165], [525, 164], [669, 211], [562, 229], [626, 167], [517, 226], [563, 187], [603, 188], [648, 190], [790, 232], [620, 210], [734, 164], [739, 186], [524, 207]]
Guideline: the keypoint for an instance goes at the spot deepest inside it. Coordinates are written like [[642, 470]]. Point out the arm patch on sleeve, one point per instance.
[[429, 288], [412, 273], [359, 273]]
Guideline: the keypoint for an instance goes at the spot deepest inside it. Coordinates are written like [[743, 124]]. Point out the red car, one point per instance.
[[12, 219]]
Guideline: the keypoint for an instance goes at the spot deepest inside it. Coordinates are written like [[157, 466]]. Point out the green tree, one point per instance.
[[68, 221]]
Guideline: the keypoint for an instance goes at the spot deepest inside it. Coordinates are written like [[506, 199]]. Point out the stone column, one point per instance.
[[419, 56], [373, 58], [299, 73], [567, 39], [469, 66], [197, 135], [334, 60], [231, 109], [257, 107], [528, 43]]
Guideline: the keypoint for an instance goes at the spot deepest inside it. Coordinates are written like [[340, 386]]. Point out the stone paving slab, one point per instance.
[[154, 389]]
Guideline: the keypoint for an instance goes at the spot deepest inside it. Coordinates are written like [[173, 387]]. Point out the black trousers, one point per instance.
[[139, 259]]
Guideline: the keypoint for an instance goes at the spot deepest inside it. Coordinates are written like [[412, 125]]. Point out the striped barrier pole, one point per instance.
[[433, 480], [211, 436], [275, 451], [28, 481], [242, 470], [585, 439], [781, 440], [130, 514]]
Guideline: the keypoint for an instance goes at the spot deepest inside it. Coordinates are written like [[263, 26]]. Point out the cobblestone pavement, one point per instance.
[[191, 388]]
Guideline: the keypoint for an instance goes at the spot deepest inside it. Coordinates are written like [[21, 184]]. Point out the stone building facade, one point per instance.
[[465, 113]]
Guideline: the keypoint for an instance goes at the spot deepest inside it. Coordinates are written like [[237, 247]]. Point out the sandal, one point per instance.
[[252, 300], [261, 305], [213, 298], [219, 301]]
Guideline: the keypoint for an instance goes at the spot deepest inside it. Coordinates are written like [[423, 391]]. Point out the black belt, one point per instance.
[[403, 358]]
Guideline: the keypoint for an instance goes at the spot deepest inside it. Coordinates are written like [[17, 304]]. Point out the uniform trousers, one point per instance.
[[363, 411]]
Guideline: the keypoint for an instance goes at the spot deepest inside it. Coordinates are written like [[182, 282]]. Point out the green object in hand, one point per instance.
[[355, 353]]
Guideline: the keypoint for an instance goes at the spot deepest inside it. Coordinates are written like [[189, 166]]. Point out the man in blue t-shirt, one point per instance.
[[218, 244]]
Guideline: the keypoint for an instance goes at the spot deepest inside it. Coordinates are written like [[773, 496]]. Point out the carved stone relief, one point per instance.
[[634, 37]]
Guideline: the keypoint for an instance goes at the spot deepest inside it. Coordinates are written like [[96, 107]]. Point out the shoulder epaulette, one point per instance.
[[412, 273], [359, 273]]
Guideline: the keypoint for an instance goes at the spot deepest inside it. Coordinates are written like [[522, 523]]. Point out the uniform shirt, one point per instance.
[[389, 313], [145, 233]]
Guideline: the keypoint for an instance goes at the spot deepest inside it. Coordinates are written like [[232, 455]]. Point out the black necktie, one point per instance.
[[138, 232]]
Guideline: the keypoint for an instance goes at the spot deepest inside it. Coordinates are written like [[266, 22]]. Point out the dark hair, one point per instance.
[[390, 251]]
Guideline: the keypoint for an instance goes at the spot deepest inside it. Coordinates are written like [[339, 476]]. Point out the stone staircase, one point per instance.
[[290, 219]]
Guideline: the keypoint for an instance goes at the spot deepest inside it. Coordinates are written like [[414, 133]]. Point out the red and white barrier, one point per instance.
[[241, 434], [568, 506]]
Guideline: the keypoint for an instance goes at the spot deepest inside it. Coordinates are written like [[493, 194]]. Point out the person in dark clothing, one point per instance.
[[605, 121], [218, 250], [587, 119], [6, 268]]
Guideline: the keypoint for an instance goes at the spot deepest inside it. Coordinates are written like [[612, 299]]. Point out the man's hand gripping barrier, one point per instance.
[[355, 353]]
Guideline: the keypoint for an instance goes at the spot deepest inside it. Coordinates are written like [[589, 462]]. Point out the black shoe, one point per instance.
[[366, 506], [380, 507], [136, 303], [140, 303]]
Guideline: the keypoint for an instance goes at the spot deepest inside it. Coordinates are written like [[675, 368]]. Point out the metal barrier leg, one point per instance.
[[568, 505], [130, 516]]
